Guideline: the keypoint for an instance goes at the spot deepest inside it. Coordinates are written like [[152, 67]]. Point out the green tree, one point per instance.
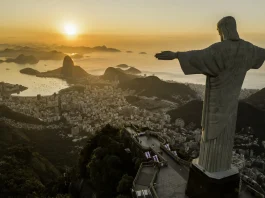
[[104, 162], [125, 184], [123, 196]]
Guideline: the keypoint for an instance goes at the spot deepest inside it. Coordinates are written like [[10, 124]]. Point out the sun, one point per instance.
[[70, 29]]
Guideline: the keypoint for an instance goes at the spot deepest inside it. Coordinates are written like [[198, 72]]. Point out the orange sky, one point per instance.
[[128, 24]]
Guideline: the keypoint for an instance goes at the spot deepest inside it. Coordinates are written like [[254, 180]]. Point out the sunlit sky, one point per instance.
[[109, 20]]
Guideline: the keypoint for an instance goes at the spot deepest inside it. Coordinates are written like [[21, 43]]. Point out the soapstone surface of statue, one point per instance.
[[225, 65]]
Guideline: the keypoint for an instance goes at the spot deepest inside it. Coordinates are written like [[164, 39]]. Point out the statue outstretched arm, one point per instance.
[[195, 61], [259, 57], [167, 55]]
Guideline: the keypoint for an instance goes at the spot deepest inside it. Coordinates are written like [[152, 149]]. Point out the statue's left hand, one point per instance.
[[166, 55]]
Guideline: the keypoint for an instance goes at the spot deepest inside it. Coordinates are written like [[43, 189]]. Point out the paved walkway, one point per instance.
[[149, 141], [171, 180], [170, 184], [145, 178]]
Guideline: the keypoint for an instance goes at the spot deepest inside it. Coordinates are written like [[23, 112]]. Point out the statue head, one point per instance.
[[227, 29]]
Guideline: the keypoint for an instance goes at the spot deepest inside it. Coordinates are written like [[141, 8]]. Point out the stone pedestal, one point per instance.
[[202, 184]]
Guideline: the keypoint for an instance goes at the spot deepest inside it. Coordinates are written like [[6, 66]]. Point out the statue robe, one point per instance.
[[225, 65]]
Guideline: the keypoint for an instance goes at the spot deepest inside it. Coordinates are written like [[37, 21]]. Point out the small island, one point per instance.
[[129, 52], [29, 71], [142, 53]]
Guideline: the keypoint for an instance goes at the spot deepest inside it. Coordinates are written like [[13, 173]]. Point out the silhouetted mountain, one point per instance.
[[10, 135], [257, 99], [123, 66], [247, 116], [104, 49], [84, 49], [8, 113], [153, 86], [132, 70], [67, 71], [25, 173], [22, 59], [114, 74], [8, 89], [190, 112], [25, 170], [68, 65], [28, 51], [52, 52], [29, 71]]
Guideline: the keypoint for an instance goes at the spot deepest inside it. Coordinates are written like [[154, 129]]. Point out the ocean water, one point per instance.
[[96, 64]]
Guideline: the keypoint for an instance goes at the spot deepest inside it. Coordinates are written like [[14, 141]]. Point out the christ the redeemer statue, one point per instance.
[[225, 65]]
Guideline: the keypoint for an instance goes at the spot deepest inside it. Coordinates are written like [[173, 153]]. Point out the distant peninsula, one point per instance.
[[32, 52], [117, 74], [52, 52], [8, 89], [22, 59], [152, 86], [85, 49], [68, 71]]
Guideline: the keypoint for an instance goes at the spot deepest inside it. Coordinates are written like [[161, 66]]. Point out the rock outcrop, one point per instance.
[[117, 74], [67, 69], [152, 86]]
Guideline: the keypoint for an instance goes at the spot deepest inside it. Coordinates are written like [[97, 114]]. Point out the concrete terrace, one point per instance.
[[170, 184], [170, 181], [167, 181], [145, 177]]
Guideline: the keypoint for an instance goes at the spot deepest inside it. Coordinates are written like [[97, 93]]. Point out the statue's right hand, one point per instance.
[[166, 55]]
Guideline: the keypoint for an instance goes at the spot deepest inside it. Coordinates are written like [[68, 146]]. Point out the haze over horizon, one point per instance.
[[131, 24], [115, 99], [150, 26]]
